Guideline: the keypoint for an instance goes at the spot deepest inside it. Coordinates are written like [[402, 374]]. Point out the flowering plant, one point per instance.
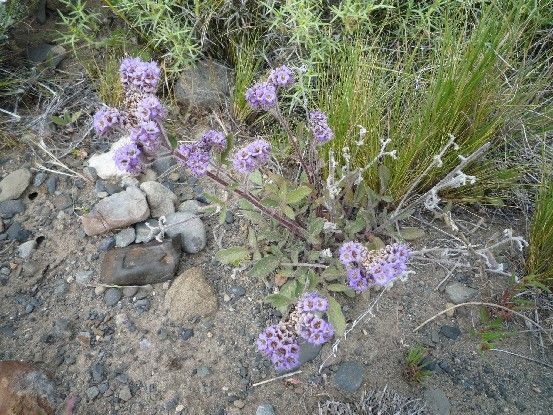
[[321, 219]]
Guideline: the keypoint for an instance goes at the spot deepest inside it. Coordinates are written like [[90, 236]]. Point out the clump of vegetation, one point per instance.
[[493, 329], [415, 369], [540, 250]]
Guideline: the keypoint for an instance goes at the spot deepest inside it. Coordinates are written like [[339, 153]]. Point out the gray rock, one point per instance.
[[117, 211], [141, 264], [203, 85], [92, 392], [162, 165], [229, 217], [237, 290], [160, 199], [451, 332], [112, 296], [1, 225], [83, 277], [192, 206], [90, 173], [26, 248], [265, 409], [47, 54], [125, 393], [437, 401], [308, 351], [10, 208], [16, 233], [106, 244], [108, 187], [349, 376], [41, 12], [187, 334], [459, 293], [190, 228], [143, 233], [203, 371], [14, 184], [190, 296], [39, 179], [97, 371], [125, 237], [130, 291], [52, 183], [60, 288]]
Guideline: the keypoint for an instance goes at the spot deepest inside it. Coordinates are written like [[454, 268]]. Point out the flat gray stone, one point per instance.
[[143, 233], [161, 200], [308, 351], [26, 249], [265, 409], [10, 208], [14, 184], [112, 296], [349, 376], [83, 277], [125, 237], [190, 228], [459, 293], [141, 264], [192, 206], [117, 211]]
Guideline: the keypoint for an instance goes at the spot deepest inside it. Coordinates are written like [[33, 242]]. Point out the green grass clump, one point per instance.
[[470, 81], [415, 370], [540, 251]]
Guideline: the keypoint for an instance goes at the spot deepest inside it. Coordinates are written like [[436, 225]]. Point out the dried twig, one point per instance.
[[523, 357], [287, 375], [529, 320]]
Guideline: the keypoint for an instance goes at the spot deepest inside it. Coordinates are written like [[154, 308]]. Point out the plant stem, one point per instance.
[[292, 138]]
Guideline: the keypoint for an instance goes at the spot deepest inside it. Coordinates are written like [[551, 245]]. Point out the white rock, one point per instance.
[[26, 248], [105, 165]]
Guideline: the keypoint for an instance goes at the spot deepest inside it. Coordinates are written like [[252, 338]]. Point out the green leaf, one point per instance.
[[335, 316], [297, 195], [315, 226], [410, 233], [333, 273], [341, 288], [233, 255], [289, 212], [384, 174], [256, 178], [290, 289], [375, 244], [279, 301], [225, 153], [265, 266]]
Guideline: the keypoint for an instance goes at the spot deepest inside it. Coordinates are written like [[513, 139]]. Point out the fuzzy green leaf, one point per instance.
[[233, 255], [341, 288], [332, 273], [297, 195], [289, 212], [336, 316], [265, 266], [279, 301]]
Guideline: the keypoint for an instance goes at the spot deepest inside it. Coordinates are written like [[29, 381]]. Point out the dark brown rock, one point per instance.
[[141, 264], [25, 390]]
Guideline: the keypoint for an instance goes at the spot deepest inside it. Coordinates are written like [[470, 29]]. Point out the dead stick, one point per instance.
[[523, 357], [488, 305], [297, 372]]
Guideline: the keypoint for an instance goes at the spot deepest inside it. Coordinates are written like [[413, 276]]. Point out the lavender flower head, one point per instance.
[[314, 329], [357, 280], [352, 253], [150, 108], [387, 264], [261, 96], [252, 156], [281, 77], [280, 346], [195, 157], [147, 136], [318, 124], [105, 119], [127, 158], [214, 138], [312, 302], [134, 73]]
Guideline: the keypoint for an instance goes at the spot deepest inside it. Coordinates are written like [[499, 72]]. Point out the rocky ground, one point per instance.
[[123, 324], [185, 342]]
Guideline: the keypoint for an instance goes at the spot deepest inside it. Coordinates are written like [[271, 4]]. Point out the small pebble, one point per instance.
[[112, 296]]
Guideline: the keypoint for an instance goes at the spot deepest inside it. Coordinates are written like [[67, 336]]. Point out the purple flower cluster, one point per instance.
[[127, 158], [373, 268], [196, 156], [281, 77], [261, 96], [280, 342], [105, 119], [314, 329], [147, 136], [252, 156], [318, 124], [312, 302], [281, 346], [150, 108], [137, 74], [352, 254]]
